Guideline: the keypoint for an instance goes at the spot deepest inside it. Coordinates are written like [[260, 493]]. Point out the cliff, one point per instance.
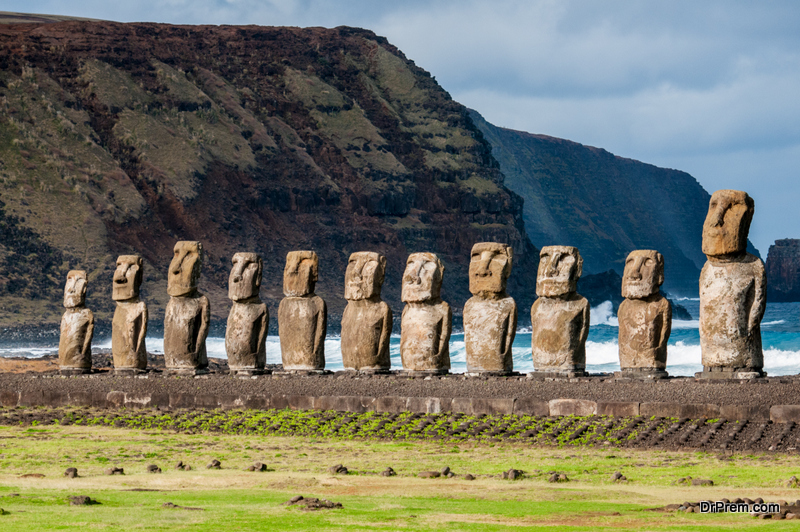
[[783, 270], [124, 138]]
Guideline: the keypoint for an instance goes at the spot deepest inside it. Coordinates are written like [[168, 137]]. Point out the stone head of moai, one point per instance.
[[560, 267], [245, 279], [643, 275], [300, 274], [489, 268], [75, 289], [364, 276], [422, 280], [127, 277], [184, 270], [727, 223]]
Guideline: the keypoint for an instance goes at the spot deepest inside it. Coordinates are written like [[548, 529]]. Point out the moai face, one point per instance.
[[300, 273], [489, 268], [75, 289], [127, 277], [422, 280], [245, 279], [727, 223], [644, 273], [364, 276], [184, 270], [560, 267]]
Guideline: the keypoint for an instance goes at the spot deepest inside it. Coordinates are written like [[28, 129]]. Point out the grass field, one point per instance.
[[232, 498]]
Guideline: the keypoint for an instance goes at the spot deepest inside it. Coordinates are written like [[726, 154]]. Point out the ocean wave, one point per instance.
[[776, 322], [603, 314]]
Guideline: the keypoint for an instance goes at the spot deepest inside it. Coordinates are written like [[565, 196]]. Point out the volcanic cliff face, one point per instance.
[[783, 270], [123, 138]]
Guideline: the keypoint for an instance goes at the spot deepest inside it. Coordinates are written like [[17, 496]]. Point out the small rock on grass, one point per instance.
[[512, 474], [81, 500], [388, 472], [152, 468], [215, 464], [115, 471], [429, 474], [180, 466], [558, 477], [170, 505], [32, 475], [618, 477], [311, 503], [792, 482], [445, 471], [337, 469], [702, 482], [258, 466], [468, 477], [71, 472]]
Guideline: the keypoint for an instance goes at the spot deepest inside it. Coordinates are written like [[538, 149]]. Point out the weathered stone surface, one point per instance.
[[248, 321], [367, 320], [660, 409], [129, 326], [739, 412], [620, 409], [77, 325], [785, 413], [490, 316], [560, 317], [186, 319], [534, 407], [732, 288], [783, 270], [572, 407], [427, 320], [302, 315], [645, 317]]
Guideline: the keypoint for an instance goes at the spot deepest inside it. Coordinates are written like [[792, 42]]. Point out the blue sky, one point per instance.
[[711, 87]]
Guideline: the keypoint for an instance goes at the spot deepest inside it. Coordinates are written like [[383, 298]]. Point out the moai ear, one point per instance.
[[259, 272], [660, 269], [382, 262], [579, 260]]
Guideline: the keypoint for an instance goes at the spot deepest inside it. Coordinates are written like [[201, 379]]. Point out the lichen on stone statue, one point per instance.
[[560, 316], [732, 291], [490, 315], [187, 316], [248, 320], [427, 320], [367, 320], [77, 327], [129, 326], [302, 315], [645, 317]]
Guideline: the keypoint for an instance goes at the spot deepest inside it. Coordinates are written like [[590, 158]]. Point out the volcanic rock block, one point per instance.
[[783, 270], [427, 320], [367, 320], [129, 326], [560, 317], [187, 316], [302, 315], [645, 317], [77, 327], [490, 316], [732, 291], [248, 321]]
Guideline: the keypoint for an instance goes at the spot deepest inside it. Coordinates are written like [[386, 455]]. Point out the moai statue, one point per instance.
[[77, 328], [187, 316], [732, 291], [129, 327], [645, 317], [490, 316], [248, 321], [367, 320], [302, 315], [427, 320], [560, 316]]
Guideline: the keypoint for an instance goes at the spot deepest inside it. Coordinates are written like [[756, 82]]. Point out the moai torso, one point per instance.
[[560, 316], [77, 325], [129, 326], [645, 317], [248, 320], [188, 312], [490, 316], [367, 320], [427, 320], [302, 315], [732, 287]]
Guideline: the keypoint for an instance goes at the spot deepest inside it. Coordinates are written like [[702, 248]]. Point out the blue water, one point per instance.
[[780, 331]]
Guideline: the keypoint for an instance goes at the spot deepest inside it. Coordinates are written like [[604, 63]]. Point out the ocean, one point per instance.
[[780, 331]]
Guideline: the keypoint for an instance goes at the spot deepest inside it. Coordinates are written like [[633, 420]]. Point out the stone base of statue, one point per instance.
[[190, 372], [492, 374], [558, 374], [74, 371], [717, 373], [373, 371], [422, 372], [128, 372], [302, 372], [641, 374], [248, 372]]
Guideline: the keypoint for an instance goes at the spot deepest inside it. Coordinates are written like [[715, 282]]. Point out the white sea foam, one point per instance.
[[603, 314]]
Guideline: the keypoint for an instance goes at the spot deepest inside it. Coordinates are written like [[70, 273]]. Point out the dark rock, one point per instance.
[[81, 500], [258, 466], [468, 476], [783, 270], [170, 505], [388, 472], [445, 471], [115, 471], [702, 482], [429, 474], [71, 472], [152, 468], [337, 469], [215, 464], [311, 504]]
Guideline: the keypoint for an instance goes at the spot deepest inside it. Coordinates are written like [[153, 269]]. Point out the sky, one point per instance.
[[711, 88]]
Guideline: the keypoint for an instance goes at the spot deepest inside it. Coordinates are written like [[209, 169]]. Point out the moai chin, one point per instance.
[[490, 316], [645, 317], [248, 320], [560, 316], [302, 315], [77, 327], [732, 291], [427, 320], [367, 320], [187, 316], [129, 326]]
